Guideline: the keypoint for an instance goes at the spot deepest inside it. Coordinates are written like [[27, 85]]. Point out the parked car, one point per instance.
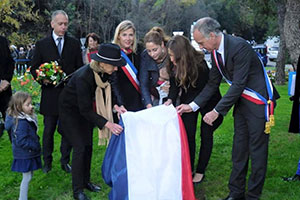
[[261, 51], [272, 41], [273, 53]]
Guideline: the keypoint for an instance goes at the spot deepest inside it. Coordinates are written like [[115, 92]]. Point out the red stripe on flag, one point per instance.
[[186, 171], [131, 79]]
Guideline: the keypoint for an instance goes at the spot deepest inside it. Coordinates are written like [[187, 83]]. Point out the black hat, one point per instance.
[[109, 53]]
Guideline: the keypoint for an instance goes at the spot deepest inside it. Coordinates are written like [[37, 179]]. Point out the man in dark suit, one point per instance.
[[67, 52], [234, 60], [6, 74]]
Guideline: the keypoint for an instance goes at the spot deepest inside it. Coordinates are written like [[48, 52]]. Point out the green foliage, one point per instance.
[[272, 25], [27, 84], [263, 15], [250, 19], [20, 39], [159, 3], [14, 12]]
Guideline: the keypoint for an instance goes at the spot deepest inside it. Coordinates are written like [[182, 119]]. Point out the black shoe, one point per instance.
[[80, 196], [66, 167], [93, 187], [296, 177], [232, 198], [47, 168], [1, 128]]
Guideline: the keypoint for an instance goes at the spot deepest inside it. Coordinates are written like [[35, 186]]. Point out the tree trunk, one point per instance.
[[90, 16], [292, 29], [280, 64]]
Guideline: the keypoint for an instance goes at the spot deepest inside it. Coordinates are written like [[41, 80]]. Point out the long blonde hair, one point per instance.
[[124, 26], [16, 103]]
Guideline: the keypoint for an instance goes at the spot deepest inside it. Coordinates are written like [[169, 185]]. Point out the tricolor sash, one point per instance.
[[255, 97], [131, 72]]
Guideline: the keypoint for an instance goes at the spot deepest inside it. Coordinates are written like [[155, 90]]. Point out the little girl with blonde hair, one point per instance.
[[21, 122]]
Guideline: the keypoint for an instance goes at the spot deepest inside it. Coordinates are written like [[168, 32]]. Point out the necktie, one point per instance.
[[59, 45], [220, 60]]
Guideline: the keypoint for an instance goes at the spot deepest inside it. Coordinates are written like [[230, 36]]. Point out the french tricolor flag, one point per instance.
[[149, 160]]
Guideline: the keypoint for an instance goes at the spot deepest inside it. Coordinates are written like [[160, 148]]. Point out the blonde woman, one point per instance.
[[125, 85]]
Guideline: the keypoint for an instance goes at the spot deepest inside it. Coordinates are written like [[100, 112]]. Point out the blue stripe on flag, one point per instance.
[[114, 167]]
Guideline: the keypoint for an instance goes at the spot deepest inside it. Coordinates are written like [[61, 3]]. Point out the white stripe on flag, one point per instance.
[[153, 154]]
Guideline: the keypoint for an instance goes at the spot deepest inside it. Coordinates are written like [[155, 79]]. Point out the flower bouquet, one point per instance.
[[50, 71]]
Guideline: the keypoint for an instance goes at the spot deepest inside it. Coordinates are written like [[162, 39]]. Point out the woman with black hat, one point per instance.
[[77, 116]]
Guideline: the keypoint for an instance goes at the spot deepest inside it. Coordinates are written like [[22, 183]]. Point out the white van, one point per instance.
[[272, 44]]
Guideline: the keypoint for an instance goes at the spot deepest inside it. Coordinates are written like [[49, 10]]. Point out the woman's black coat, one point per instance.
[[76, 114]]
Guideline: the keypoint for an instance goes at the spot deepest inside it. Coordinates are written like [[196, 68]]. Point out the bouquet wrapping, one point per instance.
[[50, 71]]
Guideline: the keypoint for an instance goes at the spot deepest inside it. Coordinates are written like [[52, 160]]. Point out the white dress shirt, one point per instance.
[[56, 40]]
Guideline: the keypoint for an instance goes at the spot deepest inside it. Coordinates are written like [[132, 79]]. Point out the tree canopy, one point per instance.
[[243, 18], [25, 21]]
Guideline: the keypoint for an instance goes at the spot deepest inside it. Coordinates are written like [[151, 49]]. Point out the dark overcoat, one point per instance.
[[70, 60], [6, 72], [76, 114]]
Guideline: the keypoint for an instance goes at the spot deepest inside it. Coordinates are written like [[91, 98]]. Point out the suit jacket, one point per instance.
[[70, 60], [294, 123], [243, 68]]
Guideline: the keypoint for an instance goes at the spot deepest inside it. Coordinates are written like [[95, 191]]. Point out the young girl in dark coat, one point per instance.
[[21, 122]]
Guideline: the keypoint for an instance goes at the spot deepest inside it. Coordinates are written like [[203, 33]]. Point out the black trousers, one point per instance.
[[249, 142], [4, 99], [190, 123], [50, 123], [81, 166]]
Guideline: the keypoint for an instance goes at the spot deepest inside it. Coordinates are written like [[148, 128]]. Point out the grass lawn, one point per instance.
[[283, 159]]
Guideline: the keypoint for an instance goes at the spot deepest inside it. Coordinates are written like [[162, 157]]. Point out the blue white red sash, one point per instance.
[[131, 72], [255, 97]]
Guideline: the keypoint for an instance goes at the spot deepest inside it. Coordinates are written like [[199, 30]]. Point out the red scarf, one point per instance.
[[90, 53]]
